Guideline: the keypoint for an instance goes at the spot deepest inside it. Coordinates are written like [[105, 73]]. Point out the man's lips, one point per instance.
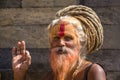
[[61, 50]]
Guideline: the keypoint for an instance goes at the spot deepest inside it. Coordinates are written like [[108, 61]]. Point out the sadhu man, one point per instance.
[[75, 32]]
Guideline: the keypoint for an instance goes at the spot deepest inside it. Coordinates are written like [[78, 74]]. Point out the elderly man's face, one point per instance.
[[64, 36]]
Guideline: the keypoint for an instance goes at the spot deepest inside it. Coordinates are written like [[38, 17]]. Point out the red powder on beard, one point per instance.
[[62, 29]]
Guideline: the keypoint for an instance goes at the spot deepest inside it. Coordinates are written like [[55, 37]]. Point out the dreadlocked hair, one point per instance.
[[91, 24]]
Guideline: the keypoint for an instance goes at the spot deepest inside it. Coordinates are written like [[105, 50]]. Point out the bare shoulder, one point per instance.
[[96, 68], [97, 73]]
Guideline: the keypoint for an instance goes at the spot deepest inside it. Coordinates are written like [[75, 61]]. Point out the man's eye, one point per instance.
[[56, 38], [68, 38]]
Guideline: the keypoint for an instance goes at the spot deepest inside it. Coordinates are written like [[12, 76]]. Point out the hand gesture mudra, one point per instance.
[[21, 60]]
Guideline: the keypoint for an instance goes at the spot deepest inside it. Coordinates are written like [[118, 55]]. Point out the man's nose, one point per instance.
[[62, 42]]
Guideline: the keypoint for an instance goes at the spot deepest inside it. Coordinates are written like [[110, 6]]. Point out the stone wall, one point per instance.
[[27, 20]]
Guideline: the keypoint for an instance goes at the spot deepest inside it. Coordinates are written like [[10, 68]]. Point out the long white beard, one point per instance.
[[62, 63]]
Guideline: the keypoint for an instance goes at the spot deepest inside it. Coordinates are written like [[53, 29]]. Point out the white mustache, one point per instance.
[[64, 50]]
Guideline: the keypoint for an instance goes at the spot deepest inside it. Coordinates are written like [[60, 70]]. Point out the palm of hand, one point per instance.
[[19, 63]]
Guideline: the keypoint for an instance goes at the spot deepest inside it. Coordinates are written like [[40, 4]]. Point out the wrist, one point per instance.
[[19, 76]]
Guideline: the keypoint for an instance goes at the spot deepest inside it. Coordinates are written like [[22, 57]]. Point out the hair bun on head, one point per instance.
[[92, 24]]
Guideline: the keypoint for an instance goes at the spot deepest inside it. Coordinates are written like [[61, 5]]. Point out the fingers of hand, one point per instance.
[[28, 58], [13, 51], [18, 53], [21, 48], [18, 47]]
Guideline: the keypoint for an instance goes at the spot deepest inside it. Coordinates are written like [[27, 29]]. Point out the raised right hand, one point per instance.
[[21, 61]]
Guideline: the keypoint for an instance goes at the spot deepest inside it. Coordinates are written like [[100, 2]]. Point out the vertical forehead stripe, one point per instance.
[[62, 29]]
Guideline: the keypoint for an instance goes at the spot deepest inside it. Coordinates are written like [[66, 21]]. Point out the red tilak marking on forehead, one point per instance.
[[62, 29]]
